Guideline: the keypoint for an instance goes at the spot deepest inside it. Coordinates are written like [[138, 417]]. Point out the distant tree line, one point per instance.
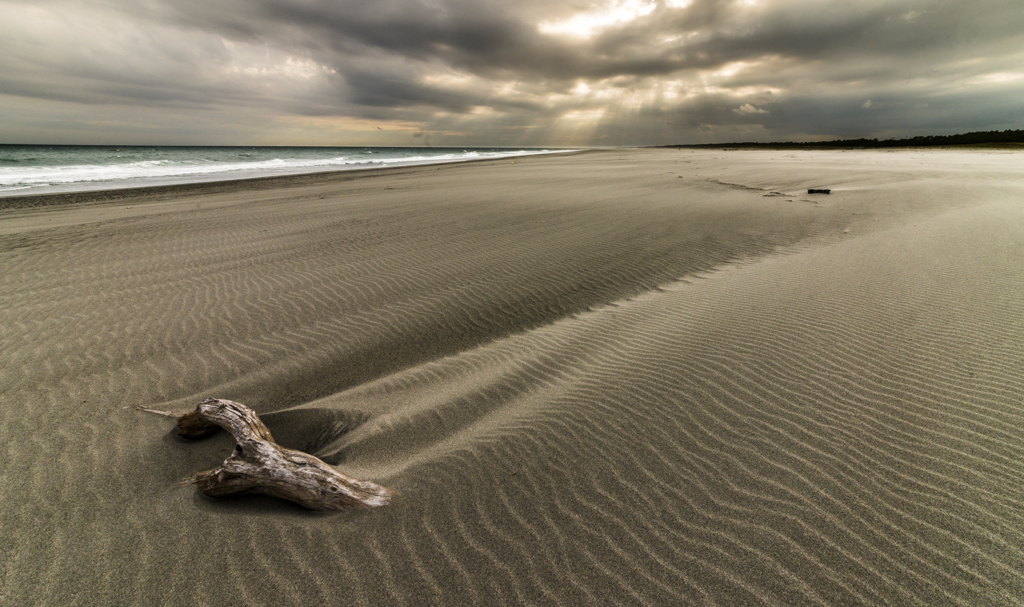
[[976, 138]]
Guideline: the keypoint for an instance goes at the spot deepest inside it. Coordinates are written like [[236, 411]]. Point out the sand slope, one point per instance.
[[626, 377]]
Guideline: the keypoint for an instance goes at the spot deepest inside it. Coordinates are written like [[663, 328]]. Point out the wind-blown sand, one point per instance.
[[618, 377]]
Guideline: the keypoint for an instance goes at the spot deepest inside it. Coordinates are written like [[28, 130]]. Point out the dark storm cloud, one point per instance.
[[477, 70], [487, 37]]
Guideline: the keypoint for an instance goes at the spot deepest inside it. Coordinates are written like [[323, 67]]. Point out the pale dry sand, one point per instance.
[[637, 377]]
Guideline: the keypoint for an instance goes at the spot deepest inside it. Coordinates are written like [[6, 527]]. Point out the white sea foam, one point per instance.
[[85, 168]]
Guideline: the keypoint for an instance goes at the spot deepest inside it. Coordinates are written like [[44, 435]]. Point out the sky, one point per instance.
[[544, 73]]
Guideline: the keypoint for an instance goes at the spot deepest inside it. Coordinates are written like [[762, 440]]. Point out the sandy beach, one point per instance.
[[617, 377]]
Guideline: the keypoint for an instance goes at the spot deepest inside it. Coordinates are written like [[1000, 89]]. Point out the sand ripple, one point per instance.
[[591, 383]]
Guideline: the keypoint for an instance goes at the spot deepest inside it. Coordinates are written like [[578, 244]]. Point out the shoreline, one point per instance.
[[32, 200]]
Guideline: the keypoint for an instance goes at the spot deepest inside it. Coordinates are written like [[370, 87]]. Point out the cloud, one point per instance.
[[484, 72], [746, 108]]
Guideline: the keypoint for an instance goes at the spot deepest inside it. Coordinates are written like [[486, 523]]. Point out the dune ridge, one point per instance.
[[606, 378]]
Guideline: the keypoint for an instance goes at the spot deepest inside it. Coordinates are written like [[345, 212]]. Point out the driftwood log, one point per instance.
[[259, 465]]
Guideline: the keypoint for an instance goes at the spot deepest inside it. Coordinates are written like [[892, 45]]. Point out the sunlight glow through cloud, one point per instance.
[[731, 69], [999, 78], [585, 25], [449, 79]]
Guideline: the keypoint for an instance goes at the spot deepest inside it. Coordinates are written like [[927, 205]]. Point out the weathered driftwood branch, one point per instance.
[[259, 465]]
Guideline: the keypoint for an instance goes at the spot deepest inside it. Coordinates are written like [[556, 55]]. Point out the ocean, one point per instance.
[[32, 169]]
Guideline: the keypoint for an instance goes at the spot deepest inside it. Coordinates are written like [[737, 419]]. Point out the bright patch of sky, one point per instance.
[[586, 24]]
